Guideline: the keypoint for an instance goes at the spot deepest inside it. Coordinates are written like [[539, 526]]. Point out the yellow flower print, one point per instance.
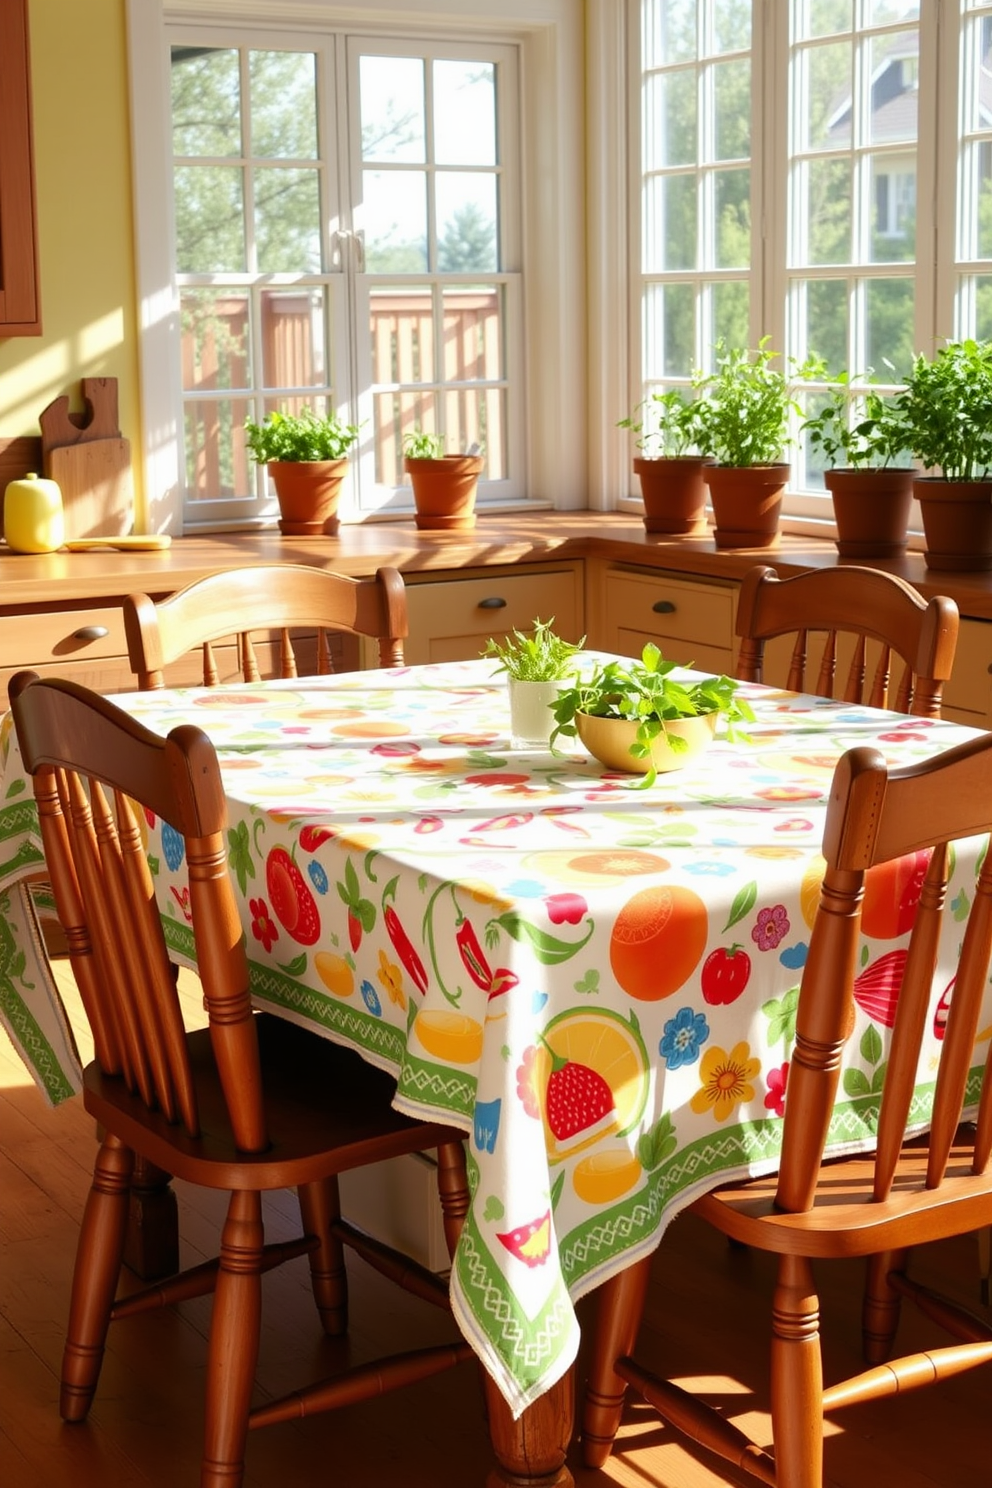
[[391, 978], [726, 1081], [484, 892]]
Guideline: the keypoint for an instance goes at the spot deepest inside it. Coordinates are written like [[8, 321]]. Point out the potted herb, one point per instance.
[[444, 486], [669, 467], [306, 454], [744, 427], [635, 716], [860, 432], [947, 407], [534, 664]]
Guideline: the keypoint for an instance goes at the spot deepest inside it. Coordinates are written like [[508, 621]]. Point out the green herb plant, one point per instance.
[[420, 445], [745, 405], [666, 425], [645, 692], [539, 657], [859, 430], [947, 407], [298, 437]]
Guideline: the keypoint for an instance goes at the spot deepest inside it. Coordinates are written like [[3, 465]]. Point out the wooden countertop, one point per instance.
[[55, 580]]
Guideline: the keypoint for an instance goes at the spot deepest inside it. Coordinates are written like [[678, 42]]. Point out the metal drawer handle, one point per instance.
[[90, 633], [492, 604], [663, 607]]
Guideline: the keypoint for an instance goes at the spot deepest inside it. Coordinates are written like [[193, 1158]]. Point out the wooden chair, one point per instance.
[[877, 1205], [250, 1103], [868, 605], [273, 596]]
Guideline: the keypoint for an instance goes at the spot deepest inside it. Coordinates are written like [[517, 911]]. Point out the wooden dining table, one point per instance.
[[596, 981]]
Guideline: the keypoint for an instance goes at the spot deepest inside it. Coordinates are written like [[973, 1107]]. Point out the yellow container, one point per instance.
[[33, 518]]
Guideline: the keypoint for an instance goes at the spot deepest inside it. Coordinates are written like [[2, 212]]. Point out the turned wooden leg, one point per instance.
[[233, 1352], [151, 1244], [452, 1187], [620, 1304], [94, 1280], [320, 1206], [530, 1452], [797, 1376], [880, 1308]]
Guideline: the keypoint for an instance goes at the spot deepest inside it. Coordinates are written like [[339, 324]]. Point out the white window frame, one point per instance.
[[549, 35]]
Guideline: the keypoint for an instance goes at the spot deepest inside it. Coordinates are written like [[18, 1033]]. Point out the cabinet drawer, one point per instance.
[[452, 620], [690, 622], [968, 692], [61, 635]]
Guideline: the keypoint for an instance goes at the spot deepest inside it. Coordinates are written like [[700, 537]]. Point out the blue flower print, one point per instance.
[[486, 1124], [173, 846], [370, 997], [318, 877], [683, 1038], [710, 869]]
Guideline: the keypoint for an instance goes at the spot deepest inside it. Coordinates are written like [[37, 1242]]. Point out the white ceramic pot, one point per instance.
[[531, 718]]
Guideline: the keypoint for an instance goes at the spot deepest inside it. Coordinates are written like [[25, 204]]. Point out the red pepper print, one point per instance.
[[475, 963], [312, 837], [725, 974], [404, 948]]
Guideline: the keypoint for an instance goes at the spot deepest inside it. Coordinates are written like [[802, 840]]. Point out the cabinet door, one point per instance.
[[451, 620], [691, 622], [20, 312], [968, 693]]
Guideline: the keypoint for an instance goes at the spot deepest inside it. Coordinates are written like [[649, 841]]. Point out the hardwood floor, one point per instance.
[[144, 1429]]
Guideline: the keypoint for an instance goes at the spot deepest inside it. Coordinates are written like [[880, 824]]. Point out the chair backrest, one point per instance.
[[878, 816], [94, 771], [864, 603], [274, 596]]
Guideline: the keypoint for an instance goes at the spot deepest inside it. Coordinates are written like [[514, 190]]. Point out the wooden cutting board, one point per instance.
[[91, 462]]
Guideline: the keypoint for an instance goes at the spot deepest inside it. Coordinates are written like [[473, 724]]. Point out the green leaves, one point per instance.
[[540, 657], [855, 429], [745, 406], [666, 424], [947, 407], [303, 436]]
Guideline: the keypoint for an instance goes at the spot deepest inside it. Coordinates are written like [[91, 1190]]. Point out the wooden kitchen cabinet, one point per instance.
[[968, 694], [20, 309], [452, 618], [690, 620]]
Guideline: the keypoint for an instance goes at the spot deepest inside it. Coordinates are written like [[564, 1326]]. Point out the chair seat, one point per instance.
[[845, 1220], [327, 1109]]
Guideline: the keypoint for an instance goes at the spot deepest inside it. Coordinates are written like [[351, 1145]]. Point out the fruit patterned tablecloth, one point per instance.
[[598, 983]]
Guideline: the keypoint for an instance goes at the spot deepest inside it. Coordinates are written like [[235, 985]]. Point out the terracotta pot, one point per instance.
[[957, 522], [308, 492], [747, 503], [872, 510], [674, 493], [444, 490], [609, 741]]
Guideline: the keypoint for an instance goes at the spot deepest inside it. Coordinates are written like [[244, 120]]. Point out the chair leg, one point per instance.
[[618, 1317], [320, 1206], [452, 1183], [797, 1376], [880, 1308], [233, 1351], [99, 1257]]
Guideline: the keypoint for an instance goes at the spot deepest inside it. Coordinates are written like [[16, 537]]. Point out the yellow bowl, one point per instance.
[[609, 741]]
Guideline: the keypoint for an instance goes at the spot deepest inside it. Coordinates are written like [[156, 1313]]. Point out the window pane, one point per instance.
[[210, 232], [471, 334], [826, 321], [826, 17], [402, 332], [733, 218], [477, 416], [283, 105], [895, 71], [287, 221], [882, 11], [827, 109], [983, 306], [216, 461], [669, 120], [983, 158], [669, 331], [890, 305], [732, 87], [206, 102], [294, 340], [392, 107], [669, 32], [464, 113], [670, 223], [394, 216], [893, 191], [732, 25], [827, 214], [466, 223], [732, 313], [215, 341]]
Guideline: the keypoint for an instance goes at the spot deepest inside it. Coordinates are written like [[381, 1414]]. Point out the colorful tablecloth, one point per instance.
[[598, 983]]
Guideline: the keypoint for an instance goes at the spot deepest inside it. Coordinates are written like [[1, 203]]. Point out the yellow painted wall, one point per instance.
[[83, 182]]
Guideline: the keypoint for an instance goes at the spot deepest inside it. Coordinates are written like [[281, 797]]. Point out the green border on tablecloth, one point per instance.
[[23, 1025]]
